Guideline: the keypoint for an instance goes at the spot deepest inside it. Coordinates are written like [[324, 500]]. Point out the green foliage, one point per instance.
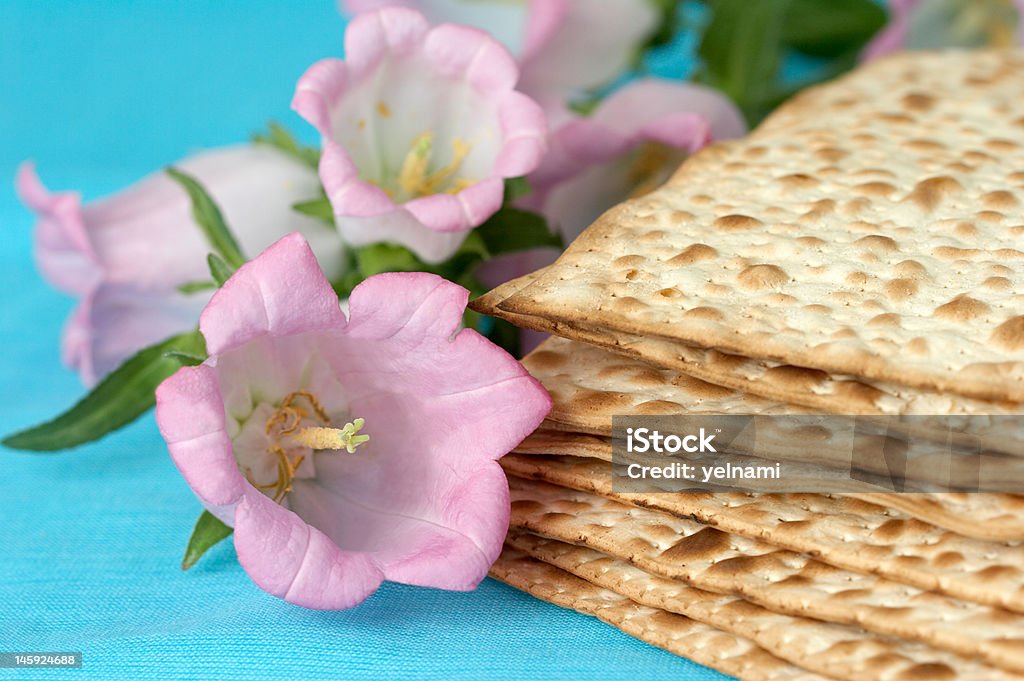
[[319, 208], [511, 229], [219, 270], [832, 28], [208, 532], [746, 41], [278, 137], [120, 398], [208, 217]]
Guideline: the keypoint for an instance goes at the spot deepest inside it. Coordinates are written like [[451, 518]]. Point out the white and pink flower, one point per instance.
[[629, 145], [348, 452], [564, 47], [125, 256], [420, 127]]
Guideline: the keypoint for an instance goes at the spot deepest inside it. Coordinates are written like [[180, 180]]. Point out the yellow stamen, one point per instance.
[[285, 421], [321, 438], [414, 167], [414, 178], [383, 109]]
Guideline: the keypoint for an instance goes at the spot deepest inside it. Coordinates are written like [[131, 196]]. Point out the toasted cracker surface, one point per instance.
[[727, 653], [774, 578], [842, 531], [873, 227], [835, 650]]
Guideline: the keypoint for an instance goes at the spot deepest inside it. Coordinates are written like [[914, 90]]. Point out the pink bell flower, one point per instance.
[[629, 146], [348, 452], [125, 256], [564, 47], [420, 127]]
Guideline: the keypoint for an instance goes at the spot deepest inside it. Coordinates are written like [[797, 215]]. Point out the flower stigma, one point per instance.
[[416, 180], [287, 433]]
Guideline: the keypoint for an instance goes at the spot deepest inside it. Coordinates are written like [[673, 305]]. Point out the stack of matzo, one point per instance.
[[862, 252]]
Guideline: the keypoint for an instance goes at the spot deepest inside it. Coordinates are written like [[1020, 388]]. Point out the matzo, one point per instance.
[[837, 651], [872, 228], [771, 388], [706, 645], [774, 578], [988, 516], [842, 531]]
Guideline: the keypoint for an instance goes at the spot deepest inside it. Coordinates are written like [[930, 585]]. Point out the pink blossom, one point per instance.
[[126, 255], [564, 47], [266, 431], [628, 146], [936, 24], [420, 128]]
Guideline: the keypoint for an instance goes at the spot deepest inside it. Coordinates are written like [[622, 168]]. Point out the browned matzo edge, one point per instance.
[[786, 388], [838, 651], [591, 385], [682, 636], [774, 578], [841, 531], [879, 237]]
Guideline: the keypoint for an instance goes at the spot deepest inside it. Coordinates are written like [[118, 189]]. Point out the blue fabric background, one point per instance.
[[100, 92]]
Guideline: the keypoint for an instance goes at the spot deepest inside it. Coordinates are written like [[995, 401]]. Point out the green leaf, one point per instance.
[[208, 216], [185, 359], [319, 208], [119, 399], [387, 257], [512, 229], [516, 188], [506, 336], [833, 28], [742, 52], [278, 136], [668, 22], [219, 270], [585, 105], [190, 287], [208, 532]]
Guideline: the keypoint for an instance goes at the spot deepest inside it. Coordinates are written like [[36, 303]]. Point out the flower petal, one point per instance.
[[635, 105], [317, 89], [290, 559], [401, 227], [447, 539], [464, 53], [544, 19], [406, 306], [281, 292], [389, 31], [465, 397], [190, 414], [594, 43], [63, 251], [524, 136], [459, 212], [121, 320]]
